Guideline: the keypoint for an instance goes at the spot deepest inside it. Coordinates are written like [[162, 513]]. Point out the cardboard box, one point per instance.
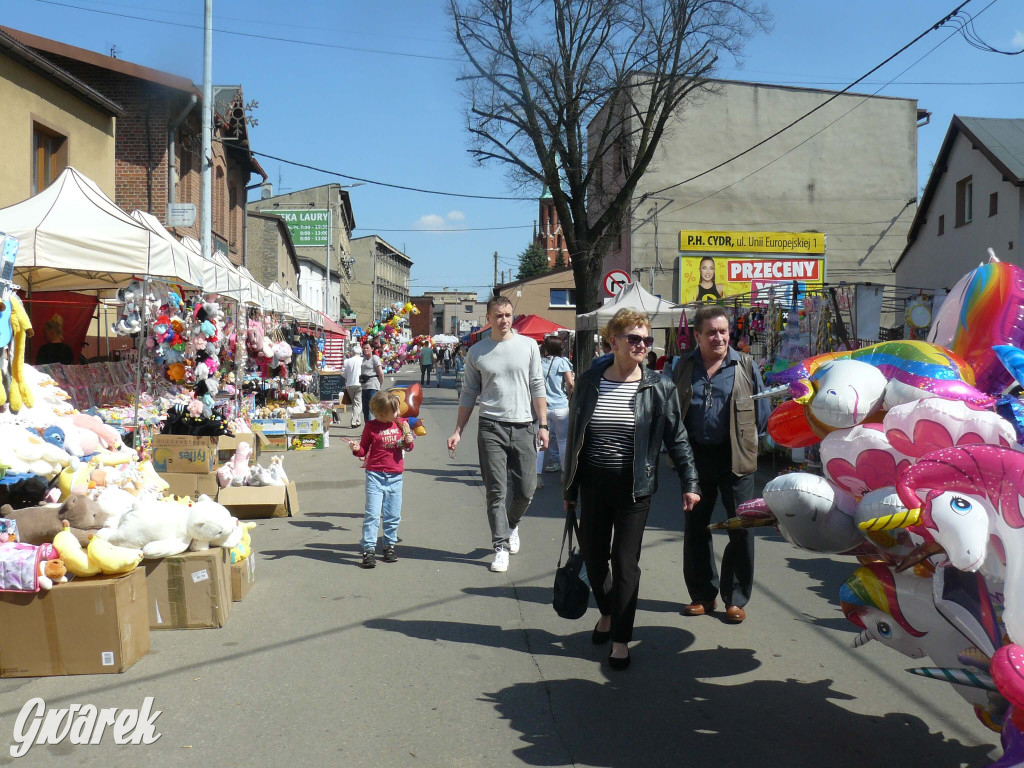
[[83, 627], [308, 425], [275, 443], [243, 576], [249, 503], [184, 454], [189, 591], [269, 426], [185, 484], [227, 445], [306, 442]]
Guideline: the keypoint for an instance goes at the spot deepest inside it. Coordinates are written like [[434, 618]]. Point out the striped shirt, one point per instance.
[[608, 443]]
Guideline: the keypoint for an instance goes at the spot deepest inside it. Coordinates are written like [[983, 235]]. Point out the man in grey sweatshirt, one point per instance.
[[504, 371]]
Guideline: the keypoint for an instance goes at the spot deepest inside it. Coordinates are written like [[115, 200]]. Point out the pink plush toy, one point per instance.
[[240, 464], [109, 437]]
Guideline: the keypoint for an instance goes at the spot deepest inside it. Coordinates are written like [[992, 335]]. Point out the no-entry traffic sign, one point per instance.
[[614, 281]]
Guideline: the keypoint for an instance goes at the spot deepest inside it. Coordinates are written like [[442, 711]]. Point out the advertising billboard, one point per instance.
[[308, 226], [758, 266]]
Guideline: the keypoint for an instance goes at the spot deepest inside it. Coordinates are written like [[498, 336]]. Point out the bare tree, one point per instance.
[[576, 95]]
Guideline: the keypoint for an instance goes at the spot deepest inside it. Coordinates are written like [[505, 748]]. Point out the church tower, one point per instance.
[[548, 232]]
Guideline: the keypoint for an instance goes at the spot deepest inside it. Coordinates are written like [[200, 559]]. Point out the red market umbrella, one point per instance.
[[536, 327]]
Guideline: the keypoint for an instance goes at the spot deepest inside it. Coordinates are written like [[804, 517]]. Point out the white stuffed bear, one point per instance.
[[210, 522], [161, 529]]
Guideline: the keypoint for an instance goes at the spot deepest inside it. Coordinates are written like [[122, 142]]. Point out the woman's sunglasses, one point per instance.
[[636, 341]]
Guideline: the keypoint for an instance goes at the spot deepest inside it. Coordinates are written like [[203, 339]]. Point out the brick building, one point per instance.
[[422, 324], [269, 251], [158, 140], [547, 231]]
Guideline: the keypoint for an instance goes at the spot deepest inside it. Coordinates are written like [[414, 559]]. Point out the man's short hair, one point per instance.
[[707, 314], [496, 300]]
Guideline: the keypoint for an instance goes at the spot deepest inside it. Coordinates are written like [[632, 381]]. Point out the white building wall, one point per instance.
[[938, 261], [849, 170]]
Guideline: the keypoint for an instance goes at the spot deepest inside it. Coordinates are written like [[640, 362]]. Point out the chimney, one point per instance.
[[266, 190]]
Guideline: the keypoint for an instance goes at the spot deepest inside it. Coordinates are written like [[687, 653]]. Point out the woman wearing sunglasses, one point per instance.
[[620, 414]]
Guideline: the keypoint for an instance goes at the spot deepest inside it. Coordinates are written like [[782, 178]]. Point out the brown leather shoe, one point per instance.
[[734, 614], [699, 609]]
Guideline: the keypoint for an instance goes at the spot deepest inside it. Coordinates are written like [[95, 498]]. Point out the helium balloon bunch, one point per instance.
[[923, 483]]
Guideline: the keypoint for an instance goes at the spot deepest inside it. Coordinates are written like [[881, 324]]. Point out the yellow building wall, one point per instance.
[[28, 97], [535, 295]]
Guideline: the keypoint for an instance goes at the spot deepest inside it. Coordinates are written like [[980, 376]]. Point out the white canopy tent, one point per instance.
[[663, 314], [74, 238], [192, 261]]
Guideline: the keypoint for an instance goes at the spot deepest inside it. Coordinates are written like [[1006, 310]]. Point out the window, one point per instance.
[[942, 225], [49, 157], [964, 201], [993, 204], [562, 297], [232, 213], [469, 309]]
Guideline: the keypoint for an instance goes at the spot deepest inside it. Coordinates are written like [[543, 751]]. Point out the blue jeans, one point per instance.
[[383, 500]]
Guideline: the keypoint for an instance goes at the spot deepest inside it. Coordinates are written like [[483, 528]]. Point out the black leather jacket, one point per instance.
[[658, 421]]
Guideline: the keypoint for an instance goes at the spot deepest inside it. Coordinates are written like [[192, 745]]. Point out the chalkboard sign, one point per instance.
[[331, 385]]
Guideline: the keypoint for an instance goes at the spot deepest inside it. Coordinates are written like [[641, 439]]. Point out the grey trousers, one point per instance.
[[508, 458]]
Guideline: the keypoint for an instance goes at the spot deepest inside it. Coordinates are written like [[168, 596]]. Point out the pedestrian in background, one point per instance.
[[371, 378], [426, 364], [620, 414], [558, 384], [503, 369], [385, 439], [351, 369], [715, 385]]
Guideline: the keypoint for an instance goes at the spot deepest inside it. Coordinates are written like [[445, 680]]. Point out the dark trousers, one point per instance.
[[367, 397], [612, 529], [425, 371], [714, 473]]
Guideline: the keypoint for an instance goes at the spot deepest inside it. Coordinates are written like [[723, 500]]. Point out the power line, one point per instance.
[[827, 125], [460, 229], [827, 101], [374, 182], [252, 35]]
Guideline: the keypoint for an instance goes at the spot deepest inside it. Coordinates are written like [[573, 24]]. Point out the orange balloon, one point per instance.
[[788, 426]]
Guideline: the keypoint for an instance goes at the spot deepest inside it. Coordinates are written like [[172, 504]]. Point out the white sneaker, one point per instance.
[[500, 564], [513, 540]]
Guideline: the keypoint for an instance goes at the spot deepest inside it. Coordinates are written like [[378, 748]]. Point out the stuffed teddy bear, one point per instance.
[[83, 516], [160, 529]]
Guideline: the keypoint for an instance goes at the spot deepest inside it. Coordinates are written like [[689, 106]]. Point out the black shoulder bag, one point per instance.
[[571, 593]]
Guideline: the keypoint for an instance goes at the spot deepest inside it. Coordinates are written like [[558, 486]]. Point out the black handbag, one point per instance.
[[571, 594]]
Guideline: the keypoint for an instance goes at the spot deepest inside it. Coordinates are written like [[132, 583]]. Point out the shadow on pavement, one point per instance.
[[666, 710], [333, 553], [470, 475], [543, 596], [827, 571]]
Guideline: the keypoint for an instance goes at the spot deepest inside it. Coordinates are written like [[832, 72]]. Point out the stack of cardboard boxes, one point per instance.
[[189, 464], [102, 624], [308, 433]]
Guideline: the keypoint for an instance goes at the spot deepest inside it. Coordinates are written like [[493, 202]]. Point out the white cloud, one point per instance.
[[1018, 39], [430, 221], [456, 216]]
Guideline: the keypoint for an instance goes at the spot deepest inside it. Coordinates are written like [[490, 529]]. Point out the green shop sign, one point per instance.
[[308, 226]]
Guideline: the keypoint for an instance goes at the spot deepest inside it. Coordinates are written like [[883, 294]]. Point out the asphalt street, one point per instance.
[[436, 661]]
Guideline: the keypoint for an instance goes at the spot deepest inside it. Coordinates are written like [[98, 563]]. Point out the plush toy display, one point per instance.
[[244, 547], [112, 559], [75, 558]]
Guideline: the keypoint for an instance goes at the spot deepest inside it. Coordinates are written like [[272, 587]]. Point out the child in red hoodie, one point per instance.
[[381, 447]]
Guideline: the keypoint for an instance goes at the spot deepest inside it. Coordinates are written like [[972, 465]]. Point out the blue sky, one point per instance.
[[369, 91]]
